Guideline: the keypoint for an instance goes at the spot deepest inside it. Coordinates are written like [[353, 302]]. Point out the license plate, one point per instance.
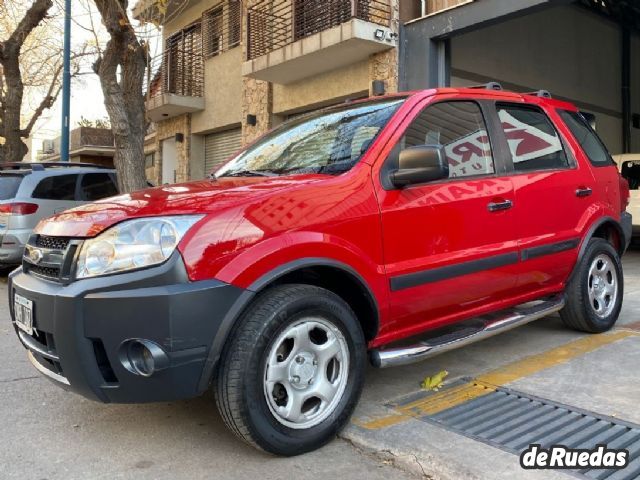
[[23, 309]]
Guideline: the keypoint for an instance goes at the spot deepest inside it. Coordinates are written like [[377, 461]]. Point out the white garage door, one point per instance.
[[218, 147]]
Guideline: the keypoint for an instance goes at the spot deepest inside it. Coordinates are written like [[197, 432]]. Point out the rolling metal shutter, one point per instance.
[[218, 147]]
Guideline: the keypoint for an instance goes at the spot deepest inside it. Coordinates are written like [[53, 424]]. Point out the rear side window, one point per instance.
[[9, 185], [533, 140], [59, 187], [587, 138], [95, 186]]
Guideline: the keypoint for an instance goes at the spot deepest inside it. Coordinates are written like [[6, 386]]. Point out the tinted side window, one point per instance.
[[95, 186], [9, 185], [460, 128], [59, 187], [533, 140], [587, 138]]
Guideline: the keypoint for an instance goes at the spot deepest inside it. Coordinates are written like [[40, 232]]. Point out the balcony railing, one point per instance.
[[177, 72], [273, 24], [176, 84]]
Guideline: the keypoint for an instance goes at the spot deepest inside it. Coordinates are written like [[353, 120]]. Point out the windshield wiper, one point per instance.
[[251, 173]]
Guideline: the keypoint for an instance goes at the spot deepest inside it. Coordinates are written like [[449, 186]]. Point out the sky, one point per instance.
[[87, 100]]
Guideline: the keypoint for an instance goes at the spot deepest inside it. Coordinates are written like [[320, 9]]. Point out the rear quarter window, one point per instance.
[[9, 185], [95, 186], [589, 141]]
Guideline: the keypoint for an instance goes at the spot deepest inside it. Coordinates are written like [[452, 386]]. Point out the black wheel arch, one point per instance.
[[607, 228], [321, 272]]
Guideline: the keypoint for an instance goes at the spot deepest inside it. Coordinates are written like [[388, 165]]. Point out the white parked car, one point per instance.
[[630, 169]]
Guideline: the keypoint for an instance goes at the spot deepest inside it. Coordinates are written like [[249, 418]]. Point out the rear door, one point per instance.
[[449, 248], [553, 193]]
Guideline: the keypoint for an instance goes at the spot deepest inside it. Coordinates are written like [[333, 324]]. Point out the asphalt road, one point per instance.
[[47, 433]]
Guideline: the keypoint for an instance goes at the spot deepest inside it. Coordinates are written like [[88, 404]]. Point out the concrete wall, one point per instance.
[[569, 51], [331, 86], [222, 92]]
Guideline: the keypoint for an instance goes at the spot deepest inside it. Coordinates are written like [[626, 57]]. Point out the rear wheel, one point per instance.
[[594, 294], [292, 372]]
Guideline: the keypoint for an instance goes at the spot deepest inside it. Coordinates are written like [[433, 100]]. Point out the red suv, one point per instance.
[[394, 228]]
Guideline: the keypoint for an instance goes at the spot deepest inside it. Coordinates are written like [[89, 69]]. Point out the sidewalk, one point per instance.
[[596, 373]]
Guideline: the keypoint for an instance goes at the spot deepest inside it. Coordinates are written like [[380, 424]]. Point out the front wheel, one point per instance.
[[594, 294], [293, 370]]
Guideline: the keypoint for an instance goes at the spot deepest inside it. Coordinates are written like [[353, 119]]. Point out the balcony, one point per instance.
[[177, 85], [289, 40]]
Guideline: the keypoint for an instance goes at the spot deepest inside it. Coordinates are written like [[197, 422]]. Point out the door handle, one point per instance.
[[499, 206], [583, 192]]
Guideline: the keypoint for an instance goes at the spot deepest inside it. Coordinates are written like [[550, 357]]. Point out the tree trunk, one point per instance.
[[14, 149], [121, 70]]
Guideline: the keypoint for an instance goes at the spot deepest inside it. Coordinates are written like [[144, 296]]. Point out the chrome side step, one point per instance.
[[488, 327]]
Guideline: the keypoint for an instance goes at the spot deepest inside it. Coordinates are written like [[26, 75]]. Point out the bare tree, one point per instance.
[[121, 67], [12, 90]]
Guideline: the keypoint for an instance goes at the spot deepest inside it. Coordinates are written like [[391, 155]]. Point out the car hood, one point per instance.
[[199, 197]]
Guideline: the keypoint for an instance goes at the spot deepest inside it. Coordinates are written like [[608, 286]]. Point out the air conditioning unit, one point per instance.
[[48, 146]]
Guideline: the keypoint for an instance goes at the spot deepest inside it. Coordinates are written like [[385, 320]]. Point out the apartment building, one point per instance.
[[233, 69]]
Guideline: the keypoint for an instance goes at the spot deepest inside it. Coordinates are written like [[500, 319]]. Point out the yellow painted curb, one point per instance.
[[487, 383]]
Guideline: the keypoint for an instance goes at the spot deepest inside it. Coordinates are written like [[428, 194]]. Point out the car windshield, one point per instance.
[[9, 186], [330, 142]]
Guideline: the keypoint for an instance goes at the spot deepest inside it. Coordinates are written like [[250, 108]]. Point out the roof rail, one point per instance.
[[74, 164], [539, 93], [40, 166], [21, 166], [488, 86]]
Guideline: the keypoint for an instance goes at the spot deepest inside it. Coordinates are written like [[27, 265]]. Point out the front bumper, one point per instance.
[[80, 329]]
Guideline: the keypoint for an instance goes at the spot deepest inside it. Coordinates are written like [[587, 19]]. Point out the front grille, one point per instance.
[[46, 272], [50, 257], [53, 243]]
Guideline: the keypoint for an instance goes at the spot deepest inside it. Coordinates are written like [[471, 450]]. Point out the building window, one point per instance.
[[222, 27], [149, 160]]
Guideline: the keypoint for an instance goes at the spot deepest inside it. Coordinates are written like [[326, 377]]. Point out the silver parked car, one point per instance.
[[32, 191]]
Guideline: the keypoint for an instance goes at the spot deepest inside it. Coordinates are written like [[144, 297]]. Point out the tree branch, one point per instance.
[[36, 13]]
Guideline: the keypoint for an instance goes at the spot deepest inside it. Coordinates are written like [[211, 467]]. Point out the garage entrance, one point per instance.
[[586, 52]]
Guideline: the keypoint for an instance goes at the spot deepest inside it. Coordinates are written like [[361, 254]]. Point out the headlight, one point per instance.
[[133, 244]]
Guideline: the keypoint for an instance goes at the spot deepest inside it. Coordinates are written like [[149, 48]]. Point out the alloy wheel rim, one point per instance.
[[603, 285], [306, 373]]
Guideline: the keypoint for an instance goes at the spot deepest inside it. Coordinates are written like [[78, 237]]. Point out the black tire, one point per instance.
[[579, 312], [240, 388]]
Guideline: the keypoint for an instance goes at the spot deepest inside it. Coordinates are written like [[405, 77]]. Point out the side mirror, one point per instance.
[[421, 164]]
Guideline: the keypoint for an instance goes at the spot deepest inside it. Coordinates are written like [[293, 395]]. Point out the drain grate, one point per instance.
[[512, 421]]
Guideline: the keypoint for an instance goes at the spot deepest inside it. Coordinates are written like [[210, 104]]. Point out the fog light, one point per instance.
[[143, 357]]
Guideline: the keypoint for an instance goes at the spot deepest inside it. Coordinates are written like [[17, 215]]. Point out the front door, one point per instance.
[[169, 161], [450, 246]]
